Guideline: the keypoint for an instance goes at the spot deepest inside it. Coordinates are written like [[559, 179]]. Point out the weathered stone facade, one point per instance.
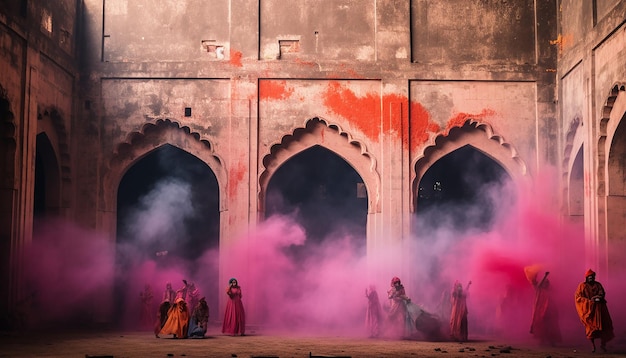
[[91, 87]]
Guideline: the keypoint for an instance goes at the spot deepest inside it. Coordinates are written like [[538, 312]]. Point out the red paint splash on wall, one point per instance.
[[235, 58], [459, 119], [236, 176], [274, 89], [306, 63], [421, 125], [395, 111], [363, 112]]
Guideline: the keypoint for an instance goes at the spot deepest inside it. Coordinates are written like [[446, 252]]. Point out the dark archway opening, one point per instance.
[[616, 200], [455, 192], [325, 195], [576, 188], [463, 193], [8, 146], [46, 192], [168, 216]]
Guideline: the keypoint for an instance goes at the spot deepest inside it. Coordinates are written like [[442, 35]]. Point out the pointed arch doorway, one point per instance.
[[325, 181], [168, 227], [454, 192], [47, 183], [616, 200], [324, 194], [462, 189]]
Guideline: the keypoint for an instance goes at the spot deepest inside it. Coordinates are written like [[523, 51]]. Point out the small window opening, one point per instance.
[[46, 21], [214, 49], [288, 47], [361, 191]]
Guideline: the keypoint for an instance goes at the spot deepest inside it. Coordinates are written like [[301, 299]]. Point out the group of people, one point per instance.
[[175, 317], [403, 316]]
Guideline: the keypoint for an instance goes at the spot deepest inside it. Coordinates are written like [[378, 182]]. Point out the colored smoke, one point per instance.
[[320, 290]]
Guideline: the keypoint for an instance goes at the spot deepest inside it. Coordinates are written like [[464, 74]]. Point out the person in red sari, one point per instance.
[[545, 316], [235, 317], [177, 322], [593, 311], [458, 314]]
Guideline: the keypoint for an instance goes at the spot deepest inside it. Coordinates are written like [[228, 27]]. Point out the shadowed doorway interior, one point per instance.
[[323, 194], [168, 217]]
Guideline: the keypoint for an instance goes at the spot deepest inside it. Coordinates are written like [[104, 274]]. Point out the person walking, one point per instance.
[[593, 310]]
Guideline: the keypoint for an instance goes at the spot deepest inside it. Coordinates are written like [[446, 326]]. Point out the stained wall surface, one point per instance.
[[233, 82]]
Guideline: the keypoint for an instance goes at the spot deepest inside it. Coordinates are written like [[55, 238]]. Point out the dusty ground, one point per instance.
[[256, 344]]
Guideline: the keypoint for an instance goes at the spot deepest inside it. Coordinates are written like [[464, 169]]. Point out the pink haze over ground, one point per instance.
[[323, 292]]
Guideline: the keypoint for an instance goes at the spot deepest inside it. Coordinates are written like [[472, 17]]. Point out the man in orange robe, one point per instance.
[[593, 311]]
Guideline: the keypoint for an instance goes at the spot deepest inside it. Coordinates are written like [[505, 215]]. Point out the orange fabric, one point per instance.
[[594, 314], [589, 273], [177, 320], [531, 272]]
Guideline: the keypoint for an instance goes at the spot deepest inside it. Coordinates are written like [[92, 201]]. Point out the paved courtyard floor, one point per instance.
[[255, 345]]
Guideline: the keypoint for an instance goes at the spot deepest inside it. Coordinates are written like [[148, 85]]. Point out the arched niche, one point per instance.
[[481, 137], [168, 220], [149, 137], [610, 118], [47, 193], [611, 187], [8, 231], [616, 198], [323, 193], [575, 186], [458, 192], [572, 168], [8, 142], [52, 122], [318, 132]]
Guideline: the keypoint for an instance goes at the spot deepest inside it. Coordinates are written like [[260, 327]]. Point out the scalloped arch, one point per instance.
[[480, 136], [8, 137], [58, 123], [148, 128], [603, 126], [571, 138], [154, 135], [318, 131]]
